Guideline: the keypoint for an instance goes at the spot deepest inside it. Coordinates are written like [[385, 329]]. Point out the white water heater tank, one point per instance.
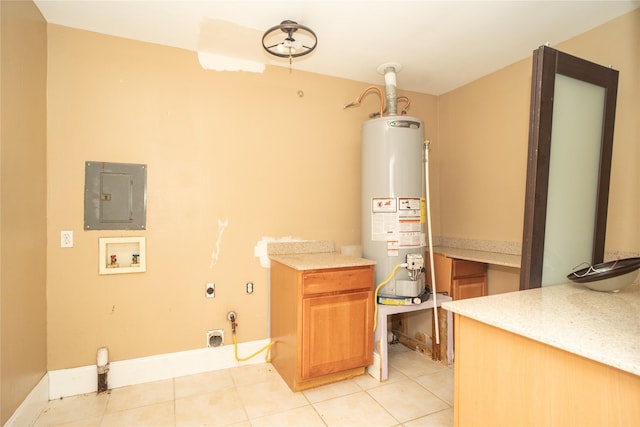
[[393, 200]]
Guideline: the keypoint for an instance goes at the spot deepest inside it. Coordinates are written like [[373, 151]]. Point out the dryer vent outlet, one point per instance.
[[215, 338]]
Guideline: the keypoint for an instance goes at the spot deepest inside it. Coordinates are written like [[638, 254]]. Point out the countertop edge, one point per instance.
[[501, 311], [321, 261], [487, 257]]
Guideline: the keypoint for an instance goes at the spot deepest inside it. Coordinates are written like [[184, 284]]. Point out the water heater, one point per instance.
[[393, 202]]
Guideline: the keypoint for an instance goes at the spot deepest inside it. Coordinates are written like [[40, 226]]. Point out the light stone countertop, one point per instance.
[[488, 257], [299, 247], [322, 260], [600, 326]]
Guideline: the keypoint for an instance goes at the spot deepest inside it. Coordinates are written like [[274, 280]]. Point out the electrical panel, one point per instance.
[[115, 196]]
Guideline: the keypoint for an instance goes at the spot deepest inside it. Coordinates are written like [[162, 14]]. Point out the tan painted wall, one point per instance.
[[482, 132], [220, 146], [618, 44], [483, 135], [23, 202], [480, 152]]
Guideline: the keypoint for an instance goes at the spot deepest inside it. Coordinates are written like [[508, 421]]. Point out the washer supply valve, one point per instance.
[[232, 316]]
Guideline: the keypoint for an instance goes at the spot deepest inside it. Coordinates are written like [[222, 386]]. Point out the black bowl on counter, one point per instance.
[[608, 276]]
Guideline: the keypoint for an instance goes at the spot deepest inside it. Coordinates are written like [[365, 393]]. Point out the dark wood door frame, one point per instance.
[[547, 62]]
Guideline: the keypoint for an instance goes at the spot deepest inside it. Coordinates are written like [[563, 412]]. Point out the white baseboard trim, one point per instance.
[[31, 407], [84, 379], [73, 381]]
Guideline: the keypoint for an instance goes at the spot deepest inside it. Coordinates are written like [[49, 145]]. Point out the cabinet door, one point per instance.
[[469, 288], [442, 268], [337, 333]]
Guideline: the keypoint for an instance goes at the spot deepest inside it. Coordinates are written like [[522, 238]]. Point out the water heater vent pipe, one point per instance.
[[389, 70]]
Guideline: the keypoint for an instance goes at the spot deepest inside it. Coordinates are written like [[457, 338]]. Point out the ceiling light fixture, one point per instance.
[[304, 42]]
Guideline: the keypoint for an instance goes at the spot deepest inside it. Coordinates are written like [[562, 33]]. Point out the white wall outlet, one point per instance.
[[66, 239], [210, 290], [249, 287]]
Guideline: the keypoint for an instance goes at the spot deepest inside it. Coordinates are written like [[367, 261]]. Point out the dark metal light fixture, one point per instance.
[[304, 42]]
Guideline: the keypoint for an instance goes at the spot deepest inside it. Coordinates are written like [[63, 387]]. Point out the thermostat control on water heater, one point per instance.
[[415, 262]]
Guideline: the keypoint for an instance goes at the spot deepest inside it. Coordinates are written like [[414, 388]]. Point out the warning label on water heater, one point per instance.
[[398, 221]]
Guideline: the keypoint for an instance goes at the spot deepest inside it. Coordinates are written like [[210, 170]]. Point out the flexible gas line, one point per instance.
[[267, 356], [433, 273], [231, 316], [375, 294], [383, 107], [406, 107], [357, 102]]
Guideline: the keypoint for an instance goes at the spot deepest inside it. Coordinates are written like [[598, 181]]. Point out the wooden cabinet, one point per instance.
[[321, 323], [515, 380], [459, 278]]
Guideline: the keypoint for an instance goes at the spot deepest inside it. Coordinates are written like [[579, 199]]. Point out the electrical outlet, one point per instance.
[[249, 287], [66, 239], [210, 290]]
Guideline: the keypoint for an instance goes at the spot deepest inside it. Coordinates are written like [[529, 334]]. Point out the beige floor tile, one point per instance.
[[367, 382], [407, 400], [414, 364], [269, 397], [305, 416], [156, 415], [397, 348], [358, 409], [439, 383], [419, 392], [87, 422], [207, 382], [330, 391], [220, 408], [252, 374], [69, 409], [442, 418], [139, 395], [395, 375]]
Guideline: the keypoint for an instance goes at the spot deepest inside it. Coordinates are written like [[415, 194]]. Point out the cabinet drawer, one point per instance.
[[471, 287], [340, 280], [462, 268]]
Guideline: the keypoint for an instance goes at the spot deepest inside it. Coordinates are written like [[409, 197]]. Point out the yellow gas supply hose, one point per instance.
[[375, 294], [267, 356]]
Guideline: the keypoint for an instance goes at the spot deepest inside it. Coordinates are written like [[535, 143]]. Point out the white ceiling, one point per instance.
[[440, 45]]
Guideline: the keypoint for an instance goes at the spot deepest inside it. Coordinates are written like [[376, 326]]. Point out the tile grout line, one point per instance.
[[175, 412], [359, 387]]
